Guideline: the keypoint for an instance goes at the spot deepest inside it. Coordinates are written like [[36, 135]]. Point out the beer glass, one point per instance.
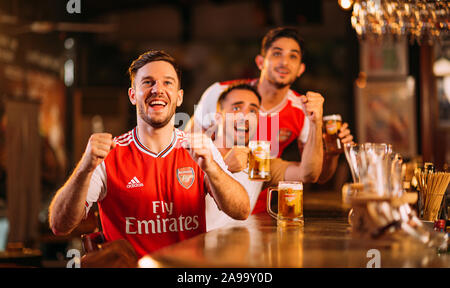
[[375, 168], [331, 126], [259, 160], [290, 203], [353, 156]]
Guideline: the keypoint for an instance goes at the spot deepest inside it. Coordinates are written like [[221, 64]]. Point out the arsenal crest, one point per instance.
[[284, 134], [185, 176]]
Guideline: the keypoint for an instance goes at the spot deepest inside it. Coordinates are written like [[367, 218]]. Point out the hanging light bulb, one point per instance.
[[345, 4]]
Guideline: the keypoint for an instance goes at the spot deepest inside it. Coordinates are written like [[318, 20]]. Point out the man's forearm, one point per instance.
[[328, 168], [312, 155], [67, 207], [229, 194]]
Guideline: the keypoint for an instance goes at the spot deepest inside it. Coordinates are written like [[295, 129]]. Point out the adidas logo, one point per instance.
[[134, 183]]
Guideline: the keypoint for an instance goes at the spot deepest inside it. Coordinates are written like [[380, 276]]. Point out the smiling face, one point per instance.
[[281, 65], [156, 93], [239, 111]]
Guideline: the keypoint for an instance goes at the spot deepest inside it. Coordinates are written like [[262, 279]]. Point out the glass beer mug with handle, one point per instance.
[[370, 164], [290, 203], [353, 152], [375, 168]]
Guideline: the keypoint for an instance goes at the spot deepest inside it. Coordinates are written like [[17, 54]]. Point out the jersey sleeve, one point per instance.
[[303, 137], [219, 160], [97, 187], [206, 109]]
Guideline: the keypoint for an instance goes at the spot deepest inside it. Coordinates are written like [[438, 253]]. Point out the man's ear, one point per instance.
[[259, 60], [180, 95], [301, 70], [132, 95]]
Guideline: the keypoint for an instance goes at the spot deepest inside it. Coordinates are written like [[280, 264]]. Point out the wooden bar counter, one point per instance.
[[324, 241]]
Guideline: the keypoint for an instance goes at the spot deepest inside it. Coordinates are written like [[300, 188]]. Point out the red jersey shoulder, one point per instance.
[[124, 139], [295, 100], [295, 93]]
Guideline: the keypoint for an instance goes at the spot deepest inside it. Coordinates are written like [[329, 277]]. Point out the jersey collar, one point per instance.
[[144, 149], [277, 108]]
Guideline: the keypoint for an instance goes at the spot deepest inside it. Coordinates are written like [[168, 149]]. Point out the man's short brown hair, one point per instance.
[[281, 32], [152, 56], [240, 85]]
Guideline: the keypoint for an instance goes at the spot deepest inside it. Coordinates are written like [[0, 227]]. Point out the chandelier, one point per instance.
[[424, 21]]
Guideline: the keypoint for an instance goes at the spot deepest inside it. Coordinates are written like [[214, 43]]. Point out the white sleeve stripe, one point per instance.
[[299, 106], [126, 135], [123, 140], [125, 143], [303, 137], [97, 186]]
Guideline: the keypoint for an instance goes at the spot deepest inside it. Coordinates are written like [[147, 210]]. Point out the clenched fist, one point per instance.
[[237, 158], [96, 151], [199, 146], [313, 103]]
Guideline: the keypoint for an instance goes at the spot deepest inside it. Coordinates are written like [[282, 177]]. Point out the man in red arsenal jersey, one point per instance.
[[289, 116], [150, 183]]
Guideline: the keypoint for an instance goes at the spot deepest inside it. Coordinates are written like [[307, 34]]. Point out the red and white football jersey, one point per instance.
[[151, 200]]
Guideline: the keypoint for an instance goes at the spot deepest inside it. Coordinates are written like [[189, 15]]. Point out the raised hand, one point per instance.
[[98, 147], [313, 103], [199, 146], [237, 158]]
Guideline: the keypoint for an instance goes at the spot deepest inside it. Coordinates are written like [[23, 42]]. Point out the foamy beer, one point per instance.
[[331, 125], [259, 160], [290, 203]]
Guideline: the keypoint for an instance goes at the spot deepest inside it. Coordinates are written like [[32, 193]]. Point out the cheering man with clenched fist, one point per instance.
[[150, 183]]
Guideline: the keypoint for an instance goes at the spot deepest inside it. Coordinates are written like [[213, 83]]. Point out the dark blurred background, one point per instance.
[[212, 40]]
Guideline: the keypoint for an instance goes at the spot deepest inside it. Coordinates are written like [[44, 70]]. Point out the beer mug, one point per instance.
[[290, 203], [259, 160], [331, 126]]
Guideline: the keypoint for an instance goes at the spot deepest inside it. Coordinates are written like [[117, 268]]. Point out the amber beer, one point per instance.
[[259, 160], [331, 126], [290, 203]]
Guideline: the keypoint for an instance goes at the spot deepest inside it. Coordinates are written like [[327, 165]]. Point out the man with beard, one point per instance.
[[285, 114], [150, 183]]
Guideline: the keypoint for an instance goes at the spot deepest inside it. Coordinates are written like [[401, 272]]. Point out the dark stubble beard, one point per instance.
[[154, 123], [280, 85]]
